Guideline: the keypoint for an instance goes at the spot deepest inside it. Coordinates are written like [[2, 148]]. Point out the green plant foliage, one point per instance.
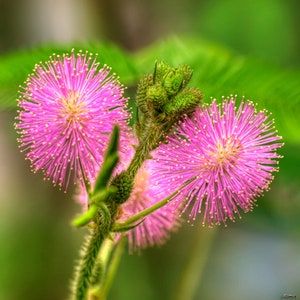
[[216, 71], [15, 67], [219, 72]]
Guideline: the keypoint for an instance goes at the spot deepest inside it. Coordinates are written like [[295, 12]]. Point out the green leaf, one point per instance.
[[16, 66], [86, 217], [220, 72], [111, 159], [120, 227], [113, 146]]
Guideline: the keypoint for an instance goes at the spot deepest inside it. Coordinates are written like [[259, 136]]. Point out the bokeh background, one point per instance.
[[257, 257]]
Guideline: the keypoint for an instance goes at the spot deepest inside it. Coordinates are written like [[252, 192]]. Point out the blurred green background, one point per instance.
[[256, 257]]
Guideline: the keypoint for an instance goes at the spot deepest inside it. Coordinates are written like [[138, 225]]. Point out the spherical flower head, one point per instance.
[[155, 229], [220, 159], [69, 106]]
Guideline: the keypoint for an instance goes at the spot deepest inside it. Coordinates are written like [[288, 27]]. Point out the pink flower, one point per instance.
[[221, 159], [157, 226], [68, 108]]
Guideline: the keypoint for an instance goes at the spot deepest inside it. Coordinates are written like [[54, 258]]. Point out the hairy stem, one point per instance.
[[101, 292], [101, 264], [87, 262], [150, 142]]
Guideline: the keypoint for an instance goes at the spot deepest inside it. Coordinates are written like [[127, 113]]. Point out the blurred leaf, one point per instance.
[[219, 72], [15, 67], [267, 16]]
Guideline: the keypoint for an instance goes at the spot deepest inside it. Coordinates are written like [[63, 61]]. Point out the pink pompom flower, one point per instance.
[[221, 159], [69, 106]]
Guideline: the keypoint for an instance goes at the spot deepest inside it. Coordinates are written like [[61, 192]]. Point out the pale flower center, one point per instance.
[[73, 107], [140, 184], [225, 154]]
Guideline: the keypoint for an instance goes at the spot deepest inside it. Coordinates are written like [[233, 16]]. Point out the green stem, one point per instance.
[[102, 262], [144, 212], [148, 210], [88, 261], [150, 142], [153, 136], [106, 250], [87, 264], [195, 265], [101, 292]]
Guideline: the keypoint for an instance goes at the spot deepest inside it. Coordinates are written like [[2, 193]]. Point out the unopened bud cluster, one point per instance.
[[163, 97]]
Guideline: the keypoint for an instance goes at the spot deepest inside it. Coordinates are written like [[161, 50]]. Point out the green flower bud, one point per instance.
[[186, 73], [162, 98], [156, 97], [172, 82], [124, 185], [141, 97], [185, 102], [160, 70]]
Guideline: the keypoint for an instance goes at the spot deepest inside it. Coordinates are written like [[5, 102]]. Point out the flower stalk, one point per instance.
[[100, 291], [119, 227], [87, 263], [99, 213]]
